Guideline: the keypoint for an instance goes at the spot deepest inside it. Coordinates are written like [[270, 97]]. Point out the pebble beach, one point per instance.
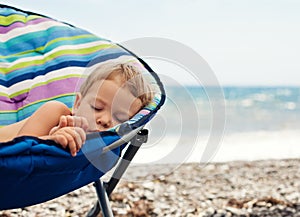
[[237, 188]]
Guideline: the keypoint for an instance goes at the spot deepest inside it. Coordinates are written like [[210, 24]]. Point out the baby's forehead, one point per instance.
[[110, 89], [110, 94], [102, 84]]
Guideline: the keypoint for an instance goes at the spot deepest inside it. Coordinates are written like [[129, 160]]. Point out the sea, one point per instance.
[[220, 124]]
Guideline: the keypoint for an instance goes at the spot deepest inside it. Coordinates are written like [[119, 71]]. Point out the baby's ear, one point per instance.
[[77, 100]]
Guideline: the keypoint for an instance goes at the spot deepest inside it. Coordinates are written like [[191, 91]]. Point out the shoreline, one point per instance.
[[235, 188]]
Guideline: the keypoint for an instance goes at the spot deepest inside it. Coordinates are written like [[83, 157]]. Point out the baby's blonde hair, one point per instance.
[[124, 74]]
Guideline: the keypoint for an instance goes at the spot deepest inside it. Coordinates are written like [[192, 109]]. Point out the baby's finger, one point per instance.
[[80, 122], [71, 144], [85, 124], [53, 130], [81, 134], [63, 121], [78, 136], [77, 121], [70, 120], [60, 139]]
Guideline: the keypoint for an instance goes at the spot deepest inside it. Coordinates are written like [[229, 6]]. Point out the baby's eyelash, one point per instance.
[[96, 108]]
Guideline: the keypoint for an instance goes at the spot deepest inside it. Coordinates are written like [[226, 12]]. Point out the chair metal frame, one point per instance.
[[104, 189]]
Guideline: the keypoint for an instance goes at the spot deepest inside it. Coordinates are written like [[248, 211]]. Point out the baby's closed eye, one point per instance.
[[96, 108]]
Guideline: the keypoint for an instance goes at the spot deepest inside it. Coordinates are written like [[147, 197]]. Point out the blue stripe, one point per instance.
[[51, 47], [33, 40], [7, 118], [9, 11]]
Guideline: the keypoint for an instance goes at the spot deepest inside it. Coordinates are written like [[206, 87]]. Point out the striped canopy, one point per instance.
[[43, 59]]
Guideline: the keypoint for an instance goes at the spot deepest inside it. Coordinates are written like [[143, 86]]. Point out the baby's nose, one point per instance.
[[104, 121]]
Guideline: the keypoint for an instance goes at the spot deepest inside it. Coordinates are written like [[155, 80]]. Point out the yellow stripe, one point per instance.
[[8, 20]]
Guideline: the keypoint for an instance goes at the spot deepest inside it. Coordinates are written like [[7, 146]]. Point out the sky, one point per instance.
[[244, 42]]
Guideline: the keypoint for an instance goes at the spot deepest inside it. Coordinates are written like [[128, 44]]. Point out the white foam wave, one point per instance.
[[247, 146]]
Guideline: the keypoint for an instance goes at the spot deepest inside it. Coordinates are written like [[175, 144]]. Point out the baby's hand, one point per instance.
[[70, 132], [70, 121], [71, 137]]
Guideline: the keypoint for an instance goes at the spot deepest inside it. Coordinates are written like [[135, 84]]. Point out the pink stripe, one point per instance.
[[52, 89], [144, 112], [6, 29]]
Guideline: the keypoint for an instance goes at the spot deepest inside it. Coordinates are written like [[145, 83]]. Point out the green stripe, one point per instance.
[[8, 20], [7, 112], [63, 40], [79, 52]]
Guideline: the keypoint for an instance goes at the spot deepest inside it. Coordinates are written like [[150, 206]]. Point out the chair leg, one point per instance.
[[103, 199], [102, 203], [104, 191], [134, 146], [94, 211]]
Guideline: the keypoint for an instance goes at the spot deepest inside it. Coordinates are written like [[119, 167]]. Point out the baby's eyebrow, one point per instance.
[[99, 100]]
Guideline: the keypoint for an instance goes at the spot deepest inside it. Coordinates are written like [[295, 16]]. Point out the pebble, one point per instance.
[[232, 189]]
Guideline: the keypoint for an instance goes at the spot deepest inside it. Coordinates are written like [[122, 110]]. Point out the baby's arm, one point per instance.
[[53, 121], [44, 119]]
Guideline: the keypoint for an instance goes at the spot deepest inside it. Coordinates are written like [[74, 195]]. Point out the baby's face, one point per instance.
[[105, 105]]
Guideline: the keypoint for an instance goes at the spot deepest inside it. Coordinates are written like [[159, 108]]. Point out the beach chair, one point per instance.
[[44, 59]]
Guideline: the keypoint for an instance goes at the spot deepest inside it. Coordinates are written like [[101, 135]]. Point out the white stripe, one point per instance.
[[29, 29]]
